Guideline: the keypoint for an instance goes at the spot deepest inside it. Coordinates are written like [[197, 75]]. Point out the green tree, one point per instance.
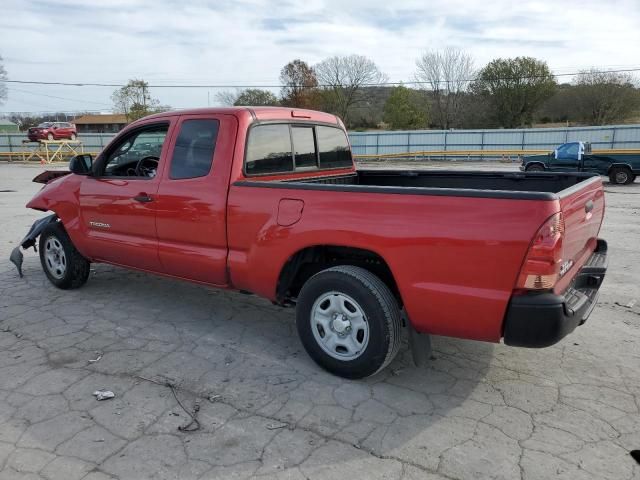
[[256, 97], [514, 89], [406, 109], [135, 101], [601, 98]]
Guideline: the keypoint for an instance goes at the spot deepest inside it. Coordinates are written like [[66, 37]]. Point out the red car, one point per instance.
[[268, 201], [53, 131]]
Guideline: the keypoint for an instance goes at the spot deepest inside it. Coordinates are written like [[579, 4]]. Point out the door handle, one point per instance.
[[143, 198]]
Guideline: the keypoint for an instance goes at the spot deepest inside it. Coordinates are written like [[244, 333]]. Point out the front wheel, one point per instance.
[[349, 321], [49, 136], [64, 266], [621, 176], [73, 137]]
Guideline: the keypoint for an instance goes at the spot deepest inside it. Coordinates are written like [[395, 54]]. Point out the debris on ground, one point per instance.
[[276, 426], [103, 394], [97, 359], [194, 424], [214, 398]]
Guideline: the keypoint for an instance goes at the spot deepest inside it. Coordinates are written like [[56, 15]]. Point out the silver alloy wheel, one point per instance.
[[339, 326], [55, 258], [622, 177]]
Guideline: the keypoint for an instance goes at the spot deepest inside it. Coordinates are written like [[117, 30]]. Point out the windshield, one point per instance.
[[45, 125]]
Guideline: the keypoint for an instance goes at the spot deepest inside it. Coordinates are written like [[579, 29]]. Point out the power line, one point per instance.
[[409, 82], [13, 89]]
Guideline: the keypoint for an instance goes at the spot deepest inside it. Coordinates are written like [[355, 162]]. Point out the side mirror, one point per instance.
[[81, 164]]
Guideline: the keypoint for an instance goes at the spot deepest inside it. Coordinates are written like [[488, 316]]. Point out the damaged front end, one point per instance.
[[29, 240]]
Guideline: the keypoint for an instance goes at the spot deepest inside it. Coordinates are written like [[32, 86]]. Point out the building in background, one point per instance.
[[101, 123], [7, 126]]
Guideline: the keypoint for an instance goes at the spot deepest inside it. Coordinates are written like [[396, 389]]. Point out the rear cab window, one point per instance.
[[290, 147], [269, 150]]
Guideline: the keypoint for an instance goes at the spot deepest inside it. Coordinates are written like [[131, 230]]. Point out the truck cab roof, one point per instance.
[[259, 113]]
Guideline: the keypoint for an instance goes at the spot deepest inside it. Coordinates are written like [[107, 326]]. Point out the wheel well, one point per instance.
[[307, 262], [620, 165], [530, 164]]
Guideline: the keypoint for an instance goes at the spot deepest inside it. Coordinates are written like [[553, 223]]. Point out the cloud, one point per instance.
[[248, 42]]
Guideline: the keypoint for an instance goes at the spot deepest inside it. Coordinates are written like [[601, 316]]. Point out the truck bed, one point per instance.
[[530, 186], [455, 241]]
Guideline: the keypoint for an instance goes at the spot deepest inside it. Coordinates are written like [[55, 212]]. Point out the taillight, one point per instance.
[[542, 267]]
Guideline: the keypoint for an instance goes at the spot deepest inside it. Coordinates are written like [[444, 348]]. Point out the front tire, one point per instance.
[[64, 266], [49, 136], [620, 176], [73, 137], [349, 321]]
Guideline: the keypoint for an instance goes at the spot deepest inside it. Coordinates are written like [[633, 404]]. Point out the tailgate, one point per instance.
[[582, 208]]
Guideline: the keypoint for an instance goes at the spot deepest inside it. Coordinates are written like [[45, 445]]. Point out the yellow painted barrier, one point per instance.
[[484, 153]]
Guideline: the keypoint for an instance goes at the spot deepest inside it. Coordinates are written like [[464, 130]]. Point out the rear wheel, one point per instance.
[[620, 176], [73, 136], [64, 266], [49, 136], [349, 321], [536, 167]]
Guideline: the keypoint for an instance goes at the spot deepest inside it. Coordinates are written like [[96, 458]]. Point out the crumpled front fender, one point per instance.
[[29, 240]]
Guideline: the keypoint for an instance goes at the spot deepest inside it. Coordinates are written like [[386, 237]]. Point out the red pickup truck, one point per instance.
[[268, 201]]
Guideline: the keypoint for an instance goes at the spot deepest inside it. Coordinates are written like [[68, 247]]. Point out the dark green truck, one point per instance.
[[621, 166]]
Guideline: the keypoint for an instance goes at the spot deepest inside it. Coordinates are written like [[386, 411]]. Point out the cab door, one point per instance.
[[192, 199], [567, 158], [118, 202]]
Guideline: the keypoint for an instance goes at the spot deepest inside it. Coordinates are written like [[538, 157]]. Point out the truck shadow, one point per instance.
[[244, 353]]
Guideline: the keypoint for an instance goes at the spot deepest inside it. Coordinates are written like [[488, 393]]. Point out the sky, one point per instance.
[[247, 42]]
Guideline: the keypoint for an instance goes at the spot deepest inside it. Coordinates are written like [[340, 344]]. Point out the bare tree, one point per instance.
[[447, 75], [228, 98], [298, 84], [344, 81], [604, 97], [3, 85], [135, 100]]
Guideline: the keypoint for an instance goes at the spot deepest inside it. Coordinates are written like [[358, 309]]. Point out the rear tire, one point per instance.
[[349, 321], [49, 136], [73, 137], [64, 266], [621, 176], [534, 168]]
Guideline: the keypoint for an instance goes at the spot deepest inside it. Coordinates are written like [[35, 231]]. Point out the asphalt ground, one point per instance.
[[265, 410]]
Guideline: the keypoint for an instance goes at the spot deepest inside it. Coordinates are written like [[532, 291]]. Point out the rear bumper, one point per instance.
[[538, 320]]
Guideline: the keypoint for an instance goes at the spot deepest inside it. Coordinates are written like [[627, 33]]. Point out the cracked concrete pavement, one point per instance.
[[267, 411]]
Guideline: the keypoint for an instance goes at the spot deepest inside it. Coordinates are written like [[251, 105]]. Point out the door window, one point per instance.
[[193, 152], [568, 151], [138, 154]]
